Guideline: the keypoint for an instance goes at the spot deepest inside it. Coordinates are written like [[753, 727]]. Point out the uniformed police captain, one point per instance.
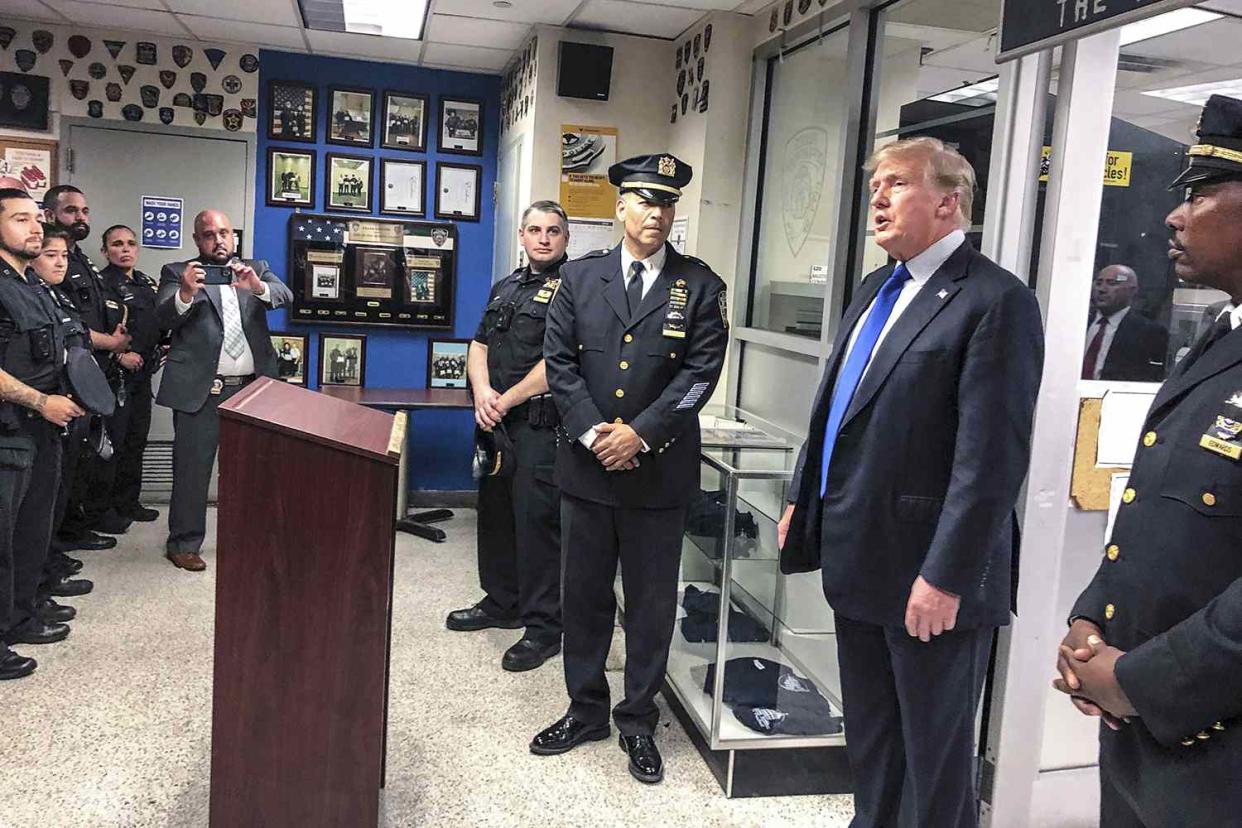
[[519, 532], [635, 341], [1154, 640], [32, 410]]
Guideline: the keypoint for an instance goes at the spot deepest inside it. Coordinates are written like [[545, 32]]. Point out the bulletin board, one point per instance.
[[32, 161], [1090, 484]]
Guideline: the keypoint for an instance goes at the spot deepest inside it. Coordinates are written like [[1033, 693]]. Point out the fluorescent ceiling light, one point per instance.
[[390, 18], [1197, 94], [984, 91], [1163, 24]]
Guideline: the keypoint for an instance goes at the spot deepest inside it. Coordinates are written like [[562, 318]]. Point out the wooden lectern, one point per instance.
[[304, 568]]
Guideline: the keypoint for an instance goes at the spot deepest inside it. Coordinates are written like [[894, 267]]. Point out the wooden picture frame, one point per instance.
[[454, 133], [338, 368], [335, 197], [340, 129], [291, 365], [278, 191], [33, 161], [454, 349], [400, 194], [392, 133], [292, 111], [454, 199]]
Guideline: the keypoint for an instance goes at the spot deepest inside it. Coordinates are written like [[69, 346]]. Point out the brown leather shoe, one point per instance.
[[187, 560]]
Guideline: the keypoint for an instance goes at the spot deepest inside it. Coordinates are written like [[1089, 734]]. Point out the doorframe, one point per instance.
[[250, 139]]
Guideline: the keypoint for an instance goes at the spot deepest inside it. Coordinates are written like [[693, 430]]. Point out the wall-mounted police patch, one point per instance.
[[723, 301]]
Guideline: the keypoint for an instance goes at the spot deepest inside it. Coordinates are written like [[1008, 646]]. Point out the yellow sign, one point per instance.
[[1117, 167], [586, 154]]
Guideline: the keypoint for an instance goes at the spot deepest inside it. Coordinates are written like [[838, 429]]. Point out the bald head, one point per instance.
[[1113, 289], [213, 233], [8, 182]]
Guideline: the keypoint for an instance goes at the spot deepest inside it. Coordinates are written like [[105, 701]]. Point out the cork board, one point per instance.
[[1089, 485]]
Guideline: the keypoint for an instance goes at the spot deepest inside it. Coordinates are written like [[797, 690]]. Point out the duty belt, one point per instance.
[[539, 411], [220, 383]]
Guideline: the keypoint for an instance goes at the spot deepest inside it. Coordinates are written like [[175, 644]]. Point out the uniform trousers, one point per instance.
[[647, 544], [519, 531], [195, 440], [28, 480], [910, 722], [77, 507], [120, 480]]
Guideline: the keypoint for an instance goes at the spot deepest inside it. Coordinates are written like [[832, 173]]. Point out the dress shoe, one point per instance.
[[528, 654], [645, 762], [36, 631], [189, 561], [14, 666], [88, 541], [476, 618], [113, 524], [50, 611], [62, 561], [142, 514], [66, 587], [566, 735]]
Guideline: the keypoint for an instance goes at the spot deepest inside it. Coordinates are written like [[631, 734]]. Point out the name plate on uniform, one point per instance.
[[1230, 450]]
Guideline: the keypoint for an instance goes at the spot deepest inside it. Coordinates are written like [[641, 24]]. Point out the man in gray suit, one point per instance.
[[220, 342]]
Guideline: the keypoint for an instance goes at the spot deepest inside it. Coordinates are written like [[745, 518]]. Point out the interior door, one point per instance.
[[507, 210], [115, 166]]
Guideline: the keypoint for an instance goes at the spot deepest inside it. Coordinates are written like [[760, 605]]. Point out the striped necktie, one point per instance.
[[234, 338]]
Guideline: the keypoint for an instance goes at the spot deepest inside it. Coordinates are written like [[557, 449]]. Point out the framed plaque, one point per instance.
[[405, 121], [291, 352], [351, 117], [291, 112], [376, 271], [342, 359], [348, 183], [457, 191], [446, 363], [461, 126], [402, 184], [290, 177]]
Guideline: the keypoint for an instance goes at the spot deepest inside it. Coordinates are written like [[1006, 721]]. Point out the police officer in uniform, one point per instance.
[[519, 532], [1154, 640], [32, 410], [133, 292], [635, 342], [65, 208]]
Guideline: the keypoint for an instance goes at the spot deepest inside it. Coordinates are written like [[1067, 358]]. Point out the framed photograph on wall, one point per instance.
[[291, 112], [342, 359], [351, 117], [457, 191], [291, 351], [402, 184], [290, 178], [348, 183], [446, 363], [461, 126], [405, 121]]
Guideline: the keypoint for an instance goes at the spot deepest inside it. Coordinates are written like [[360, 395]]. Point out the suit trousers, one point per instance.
[[910, 722], [519, 533], [121, 477], [647, 544], [27, 501], [196, 437]]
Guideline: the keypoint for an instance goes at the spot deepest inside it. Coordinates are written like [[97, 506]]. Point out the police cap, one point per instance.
[[89, 386], [1218, 153], [657, 178]]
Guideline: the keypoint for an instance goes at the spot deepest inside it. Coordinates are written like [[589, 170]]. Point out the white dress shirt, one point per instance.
[[1110, 330], [229, 366], [921, 268], [1235, 316]]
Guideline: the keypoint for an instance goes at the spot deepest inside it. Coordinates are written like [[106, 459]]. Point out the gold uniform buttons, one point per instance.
[[1188, 742], [1113, 552], [618, 421], [1128, 496], [1149, 439], [1218, 726], [1209, 499], [620, 393], [672, 356], [1202, 736], [625, 366], [1109, 612], [579, 347], [629, 337]]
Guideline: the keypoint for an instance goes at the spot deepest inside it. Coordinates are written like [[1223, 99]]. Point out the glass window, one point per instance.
[[798, 200]]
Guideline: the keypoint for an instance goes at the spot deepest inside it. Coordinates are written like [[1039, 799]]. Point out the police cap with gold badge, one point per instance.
[[1218, 153], [657, 178]]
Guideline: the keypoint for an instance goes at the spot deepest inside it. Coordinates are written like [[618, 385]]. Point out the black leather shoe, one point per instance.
[[142, 514], [566, 735], [89, 541], [113, 524], [62, 561], [476, 618], [528, 654], [14, 666], [645, 762], [36, 631], [67, 587], [50, 611]]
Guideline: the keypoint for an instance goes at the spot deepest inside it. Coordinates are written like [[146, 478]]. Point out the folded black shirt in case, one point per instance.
[[771, 698], [702, 619]]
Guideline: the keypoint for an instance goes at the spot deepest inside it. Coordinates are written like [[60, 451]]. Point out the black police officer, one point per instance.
[[635, 342], [133, 292], [65, 208], [32, 349], [519, 533], [1154, 640]]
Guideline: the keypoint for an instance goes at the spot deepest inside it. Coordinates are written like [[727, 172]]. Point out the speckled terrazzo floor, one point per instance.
[[114, 727]]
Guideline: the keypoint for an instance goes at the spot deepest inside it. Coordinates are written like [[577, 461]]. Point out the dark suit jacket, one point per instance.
[[931, 454], [198, 334], [1138, 350], [604, 366]]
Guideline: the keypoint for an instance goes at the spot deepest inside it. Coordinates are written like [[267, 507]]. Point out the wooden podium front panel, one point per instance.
[[304, 584]]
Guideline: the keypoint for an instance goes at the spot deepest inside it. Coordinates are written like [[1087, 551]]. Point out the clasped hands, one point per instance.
[[1086, 668]]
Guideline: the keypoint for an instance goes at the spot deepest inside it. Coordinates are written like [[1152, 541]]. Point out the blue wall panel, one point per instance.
[[440, 441]]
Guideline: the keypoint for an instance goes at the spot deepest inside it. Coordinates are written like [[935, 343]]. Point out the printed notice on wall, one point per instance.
[[161, 222], [680, 234], [586, 235], [1117, 166], [33, 167], [586, 154]]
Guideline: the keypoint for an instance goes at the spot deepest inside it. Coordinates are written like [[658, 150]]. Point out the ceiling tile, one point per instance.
[[522, 11], [1214, 43], [347, 44], [118, 17], [133, 4], [635, 18], [28, 10], [210, 28], [279, 12], [473, 31], [466, 57]]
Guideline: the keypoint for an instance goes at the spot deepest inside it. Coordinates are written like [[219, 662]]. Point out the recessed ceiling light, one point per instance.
[[972, 94], [1198, 93], [386, 18], [1163, 24]]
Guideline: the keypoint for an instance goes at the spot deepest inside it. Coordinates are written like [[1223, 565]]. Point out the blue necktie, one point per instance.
[[851, 373]]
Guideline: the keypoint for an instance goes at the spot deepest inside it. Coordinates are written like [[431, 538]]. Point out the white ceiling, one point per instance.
[[470, 35]]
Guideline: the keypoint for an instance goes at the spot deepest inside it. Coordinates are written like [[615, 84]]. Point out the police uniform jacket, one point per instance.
[[604, 366], [33, 332], [1169, 587], [513, 324], [135, 301], [84, 287]]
